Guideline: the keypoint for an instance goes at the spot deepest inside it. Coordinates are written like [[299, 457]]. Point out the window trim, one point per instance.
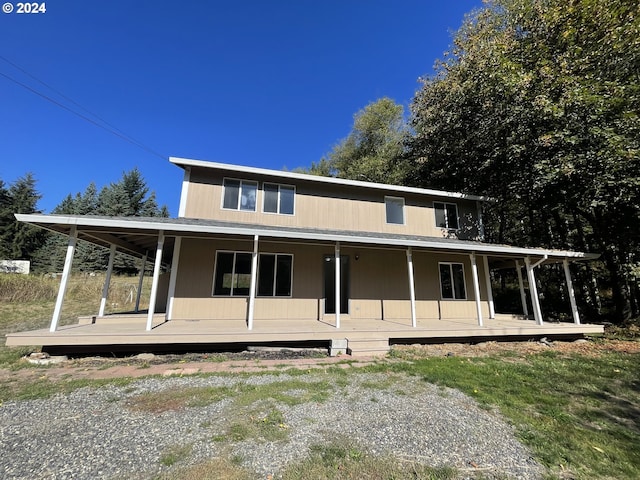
[[389, 197], [275, 274], [446, 217], [238, 201], [278, 212], [233, 269], [453, 285]]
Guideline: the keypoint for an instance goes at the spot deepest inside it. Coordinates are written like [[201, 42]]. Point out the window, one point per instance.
[[395, 210], [239, 194], [278, 198], [452, 281], [446, 215], [274, 275], [233, 274]]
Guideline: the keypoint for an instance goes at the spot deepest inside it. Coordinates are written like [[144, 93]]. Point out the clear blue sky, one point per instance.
[[262, 83]]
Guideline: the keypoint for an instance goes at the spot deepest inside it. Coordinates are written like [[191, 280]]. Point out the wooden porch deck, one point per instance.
[[361, 335]]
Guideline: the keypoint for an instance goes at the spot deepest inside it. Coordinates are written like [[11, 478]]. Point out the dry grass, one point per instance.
[[178, 398], [211, 470], [27, 288], [27, 302]]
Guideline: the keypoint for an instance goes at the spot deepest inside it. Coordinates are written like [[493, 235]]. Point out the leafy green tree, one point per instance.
[[537, 105], [373, 149]]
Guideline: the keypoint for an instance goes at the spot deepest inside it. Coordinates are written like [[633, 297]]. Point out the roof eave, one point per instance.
[[185, 162], [182, 227]]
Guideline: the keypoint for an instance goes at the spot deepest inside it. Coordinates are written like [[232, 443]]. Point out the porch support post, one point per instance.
[[338, 289], [412, 287], [66, 271], [107, 281], [487, 279], [523, 296], [252, 288], [572, 295], [533, 291], [476, 287], [154, 283], [140, 280], [174, 274]]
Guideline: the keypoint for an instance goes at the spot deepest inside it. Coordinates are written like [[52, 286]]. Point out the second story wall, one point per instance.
[[269, 200]]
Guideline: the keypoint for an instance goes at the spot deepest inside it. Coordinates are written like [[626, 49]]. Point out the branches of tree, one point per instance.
[[373, 149], [130, 196], [537, 105]]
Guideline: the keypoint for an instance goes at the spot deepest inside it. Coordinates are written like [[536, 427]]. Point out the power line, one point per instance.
[[111, 129]]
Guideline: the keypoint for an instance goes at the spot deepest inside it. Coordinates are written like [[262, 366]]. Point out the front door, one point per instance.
[[330, 284]]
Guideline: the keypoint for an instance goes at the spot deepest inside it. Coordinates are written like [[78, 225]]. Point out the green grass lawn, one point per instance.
[[580, 414]]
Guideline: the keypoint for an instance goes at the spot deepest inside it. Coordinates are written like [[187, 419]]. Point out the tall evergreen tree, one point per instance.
[[129, 196], [19, 240]]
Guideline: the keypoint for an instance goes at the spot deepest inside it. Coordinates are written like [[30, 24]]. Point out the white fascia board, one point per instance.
[[185, 162], [251, 230]]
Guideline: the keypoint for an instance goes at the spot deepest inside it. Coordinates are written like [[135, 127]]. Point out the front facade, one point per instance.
[[295, 273], [253, 245]]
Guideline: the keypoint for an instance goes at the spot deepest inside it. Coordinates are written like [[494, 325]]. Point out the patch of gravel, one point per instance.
[[91, 433]]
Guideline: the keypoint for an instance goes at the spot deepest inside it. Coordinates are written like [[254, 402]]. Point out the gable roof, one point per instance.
[[285, 175]]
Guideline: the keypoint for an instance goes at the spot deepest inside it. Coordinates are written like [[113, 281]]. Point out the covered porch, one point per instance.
[[367, 324]]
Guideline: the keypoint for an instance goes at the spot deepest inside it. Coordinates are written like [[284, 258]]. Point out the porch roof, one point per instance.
[[137, 236]]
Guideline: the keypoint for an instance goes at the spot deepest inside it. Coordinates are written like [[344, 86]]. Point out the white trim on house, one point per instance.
[[186, 162], [184, 193]]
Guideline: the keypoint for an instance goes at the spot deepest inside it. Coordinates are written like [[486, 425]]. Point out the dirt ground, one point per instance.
[[271, 360]]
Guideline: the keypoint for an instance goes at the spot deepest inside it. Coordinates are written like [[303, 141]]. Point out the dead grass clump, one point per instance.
[[27, 288]]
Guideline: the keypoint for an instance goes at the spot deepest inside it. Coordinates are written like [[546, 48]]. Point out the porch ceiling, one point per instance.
[[138, 236]]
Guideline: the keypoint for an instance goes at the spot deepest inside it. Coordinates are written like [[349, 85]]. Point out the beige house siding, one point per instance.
[[333, 207], [379, 284]]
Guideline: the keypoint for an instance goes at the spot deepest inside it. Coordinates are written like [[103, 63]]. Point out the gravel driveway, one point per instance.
[[94, 434]]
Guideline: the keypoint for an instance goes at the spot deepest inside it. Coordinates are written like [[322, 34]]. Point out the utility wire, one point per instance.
[[111, 129]]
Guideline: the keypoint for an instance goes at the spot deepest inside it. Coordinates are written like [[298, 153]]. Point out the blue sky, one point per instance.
[[271, 84]]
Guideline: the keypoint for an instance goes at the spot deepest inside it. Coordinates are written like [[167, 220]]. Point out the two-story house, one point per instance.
[[256, 246]]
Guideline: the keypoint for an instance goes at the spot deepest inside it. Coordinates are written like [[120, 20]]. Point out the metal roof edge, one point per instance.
[[320, 179]]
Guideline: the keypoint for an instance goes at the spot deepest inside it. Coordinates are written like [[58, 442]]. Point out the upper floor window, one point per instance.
[[239, 194], [278, 198], [452, 281], [446, 215], [395, 210]]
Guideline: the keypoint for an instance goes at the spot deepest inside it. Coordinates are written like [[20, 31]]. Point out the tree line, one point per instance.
[[536, 105], [129, 196]]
